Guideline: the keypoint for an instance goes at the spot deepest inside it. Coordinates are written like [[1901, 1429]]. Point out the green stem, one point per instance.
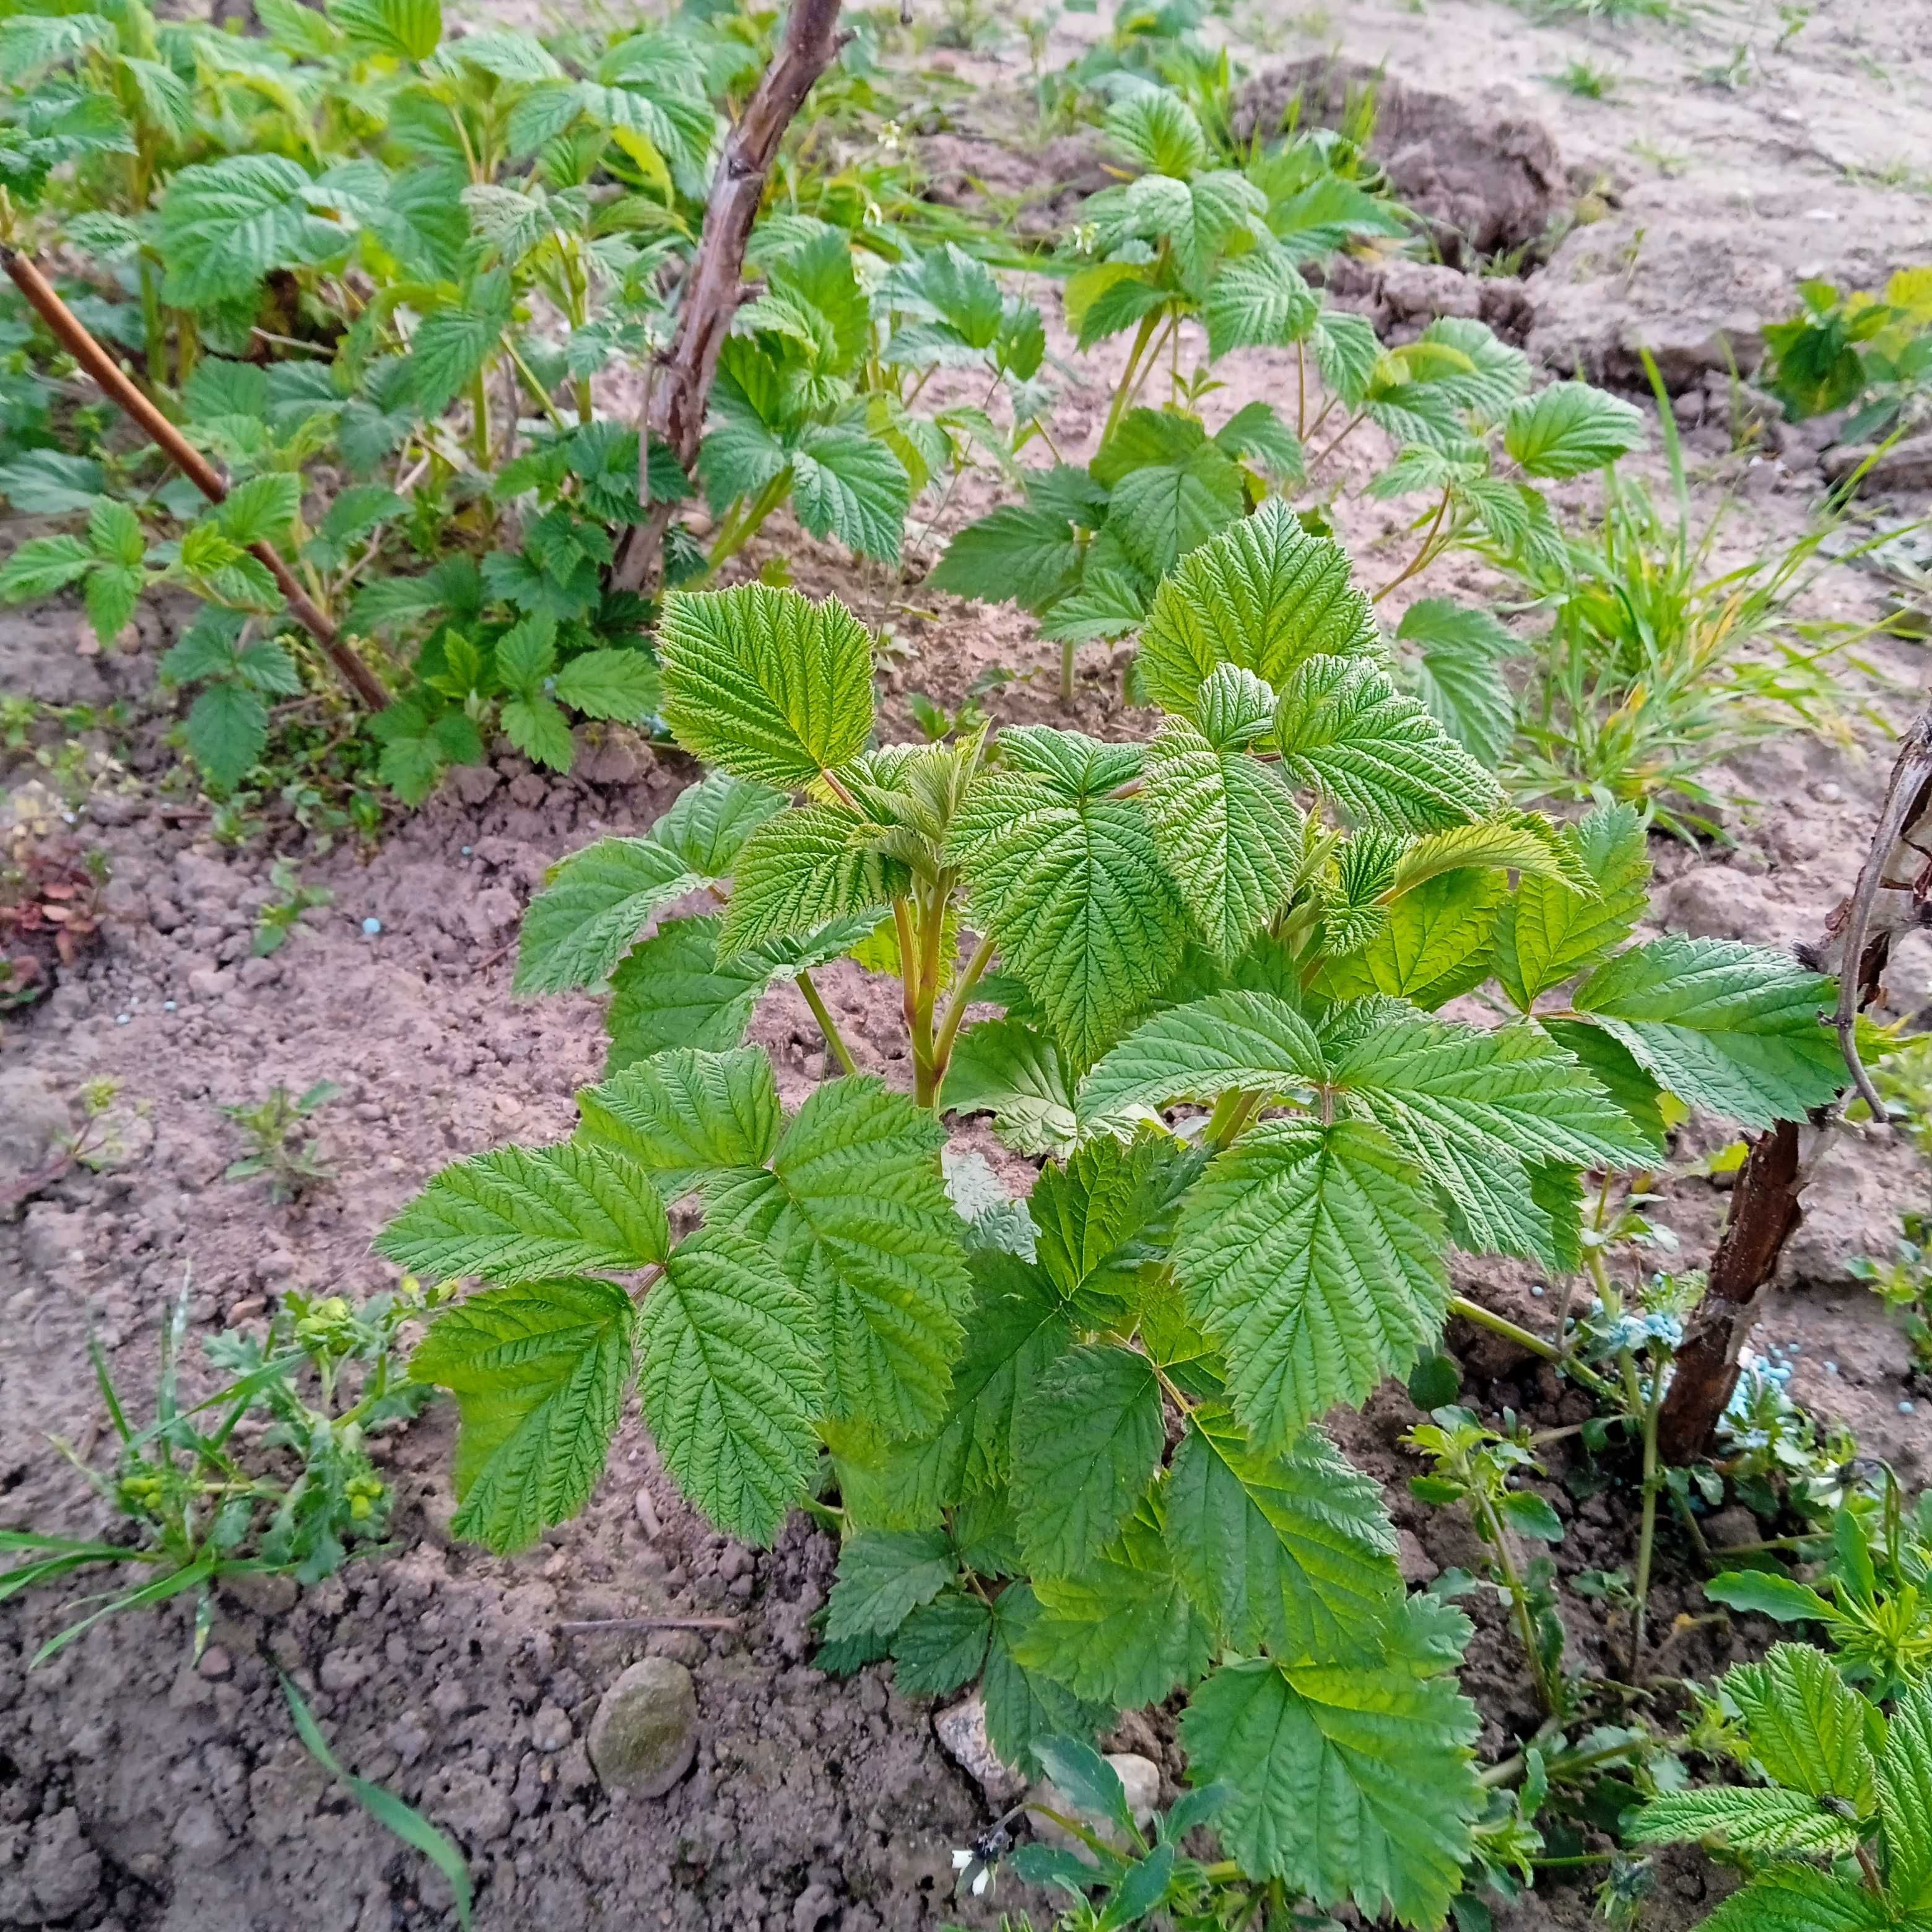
[[1066, 650], [911, 1002], [740, 530], [1422, 557], [1149, 323], [826, 1024], [942, 1050], [1498, 1324], [1497, 1537], [1340, 436], [479, 429], [1506, 1769], [930, 931], [539, 394], [1647, 1532]]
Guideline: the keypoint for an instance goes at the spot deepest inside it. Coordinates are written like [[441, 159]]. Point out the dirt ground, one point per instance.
[[140, 1793]]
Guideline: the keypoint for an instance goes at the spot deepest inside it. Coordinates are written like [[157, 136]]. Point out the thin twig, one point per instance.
[[578, 1626], [72, 334]]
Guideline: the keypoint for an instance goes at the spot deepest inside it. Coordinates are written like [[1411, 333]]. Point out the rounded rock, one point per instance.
[[644, 1736]]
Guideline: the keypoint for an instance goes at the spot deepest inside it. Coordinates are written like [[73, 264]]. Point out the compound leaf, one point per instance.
[[1227, 829], [855, 1211], [1122, 1632], [1747, 1821], [1251, 1040], [1569, 428], [1808, 1730], [1070, 887], [883, 1576], [589, 911], [1345, 729], [1550, 931], [1292, 1553], [1264, 595]]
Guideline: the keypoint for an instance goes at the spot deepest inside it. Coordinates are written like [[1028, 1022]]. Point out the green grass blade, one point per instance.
[[158, 1592], [385, 1807]]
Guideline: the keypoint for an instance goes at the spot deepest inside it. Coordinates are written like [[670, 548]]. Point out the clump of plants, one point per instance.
[[1871, 354], [278, 1149], [1199, 236], [1076, 1457], [1657, 665], [269, 1474], [1904, 1284]]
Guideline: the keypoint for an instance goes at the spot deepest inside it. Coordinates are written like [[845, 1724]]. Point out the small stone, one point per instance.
[[215, 1662], [644, 1736], [62, 1869], [645, 1505], [371, 926], [1730, 1527], [549, 1729], [1140, 1781], [1905, 1408], [33, 1116], [961, 1731], [1830, 1368]]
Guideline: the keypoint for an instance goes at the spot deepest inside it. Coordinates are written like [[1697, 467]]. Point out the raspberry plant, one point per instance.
[[1078, 1452]]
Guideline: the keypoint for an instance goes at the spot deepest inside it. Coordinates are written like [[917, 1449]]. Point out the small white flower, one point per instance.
[[980, 1883], [960, 1860]]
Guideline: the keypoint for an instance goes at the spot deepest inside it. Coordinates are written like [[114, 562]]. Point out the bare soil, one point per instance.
[[139, 1792]]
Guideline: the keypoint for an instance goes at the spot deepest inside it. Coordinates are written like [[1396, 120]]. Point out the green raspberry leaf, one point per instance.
[[1025, 1707], [1570, 428], [883, 1576], [1313, 1256], [766, 683], [1550, 931], [518, 1214], [731, 1381], [539, 1371], [801, 870], [943, 1645], [1346, 1784], [685, 1115], [1264, 595], [1737, 1029], [1292, 1553], [1070, 887], [1090, 1449], [1227, 829], [589, 911], [1345, 729], [854, 1209], [1122, 1632], [1251, 1040]]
